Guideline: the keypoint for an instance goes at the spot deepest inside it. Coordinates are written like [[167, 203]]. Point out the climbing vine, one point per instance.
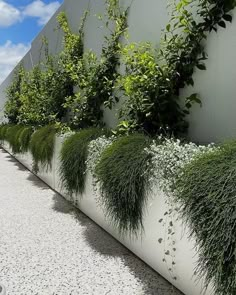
[[70, 57], [36, 97], [13, 103], [98, 75], [153, 78]]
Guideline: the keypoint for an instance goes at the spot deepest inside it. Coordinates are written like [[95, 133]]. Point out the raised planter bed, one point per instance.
[[170, 253]]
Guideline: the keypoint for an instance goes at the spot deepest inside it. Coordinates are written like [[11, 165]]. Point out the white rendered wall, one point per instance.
[[215, 120]]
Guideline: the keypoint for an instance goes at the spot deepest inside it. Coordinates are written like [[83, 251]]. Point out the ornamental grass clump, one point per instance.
[[3, 131], [123, 180], [73, 158], [207, 190], [42, 146], [12, 136], [24, 137]]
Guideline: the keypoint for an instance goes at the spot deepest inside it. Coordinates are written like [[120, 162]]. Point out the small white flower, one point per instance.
[[169, 158]]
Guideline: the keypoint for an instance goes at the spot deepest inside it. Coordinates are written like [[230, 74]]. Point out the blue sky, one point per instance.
[[20, 22]]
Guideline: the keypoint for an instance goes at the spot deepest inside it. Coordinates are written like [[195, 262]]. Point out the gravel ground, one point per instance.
[[49, 247]]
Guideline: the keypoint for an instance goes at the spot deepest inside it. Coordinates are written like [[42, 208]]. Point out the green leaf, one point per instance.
[[228, 17], [222, 24], [201, 66]]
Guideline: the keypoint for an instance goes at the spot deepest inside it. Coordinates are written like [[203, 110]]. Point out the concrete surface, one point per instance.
[[49, 247]]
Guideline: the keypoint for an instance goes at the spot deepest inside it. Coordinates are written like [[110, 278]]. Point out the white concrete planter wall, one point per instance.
[[147, 246]]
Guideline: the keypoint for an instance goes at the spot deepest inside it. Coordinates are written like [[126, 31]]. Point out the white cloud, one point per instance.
[[9, 14], [10, 55], [38, 9], [41, 10]]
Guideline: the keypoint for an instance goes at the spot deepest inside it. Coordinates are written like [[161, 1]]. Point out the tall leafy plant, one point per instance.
[[70, 57], [43, 93], [153, 80], [150, 103], [97, 76], [13, 103], [36, 97], [32, 103]]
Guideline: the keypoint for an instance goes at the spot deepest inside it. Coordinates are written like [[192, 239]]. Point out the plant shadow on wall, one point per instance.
[[106, 245]]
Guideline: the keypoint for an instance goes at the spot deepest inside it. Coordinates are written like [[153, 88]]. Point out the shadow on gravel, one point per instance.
[[3, 151], [16, 163], [63, 206], [37, 182], [102, 242]]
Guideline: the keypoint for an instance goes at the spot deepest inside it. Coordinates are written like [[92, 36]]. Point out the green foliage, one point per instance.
[[153, 79], [3, 131], [37, 97], [151, 84], [97, 76], [30, 98], [13, 103], [42, 146], [70, 57], [73, 157], [12, 136], [122, 176], [24, 138], [207, 192], [43, 92], [151, 101]]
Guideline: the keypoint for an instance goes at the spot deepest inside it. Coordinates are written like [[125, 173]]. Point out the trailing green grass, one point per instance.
[[24, 137], [3, 131], [42, 146], [124, 183], [207, 191], [18, 137], [12, 136], [73, 158]]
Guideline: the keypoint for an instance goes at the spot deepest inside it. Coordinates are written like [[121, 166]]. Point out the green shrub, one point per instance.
[[97, 75], [42, 146], [13, 103], [124, 183], [73, 159], [207, 190]]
